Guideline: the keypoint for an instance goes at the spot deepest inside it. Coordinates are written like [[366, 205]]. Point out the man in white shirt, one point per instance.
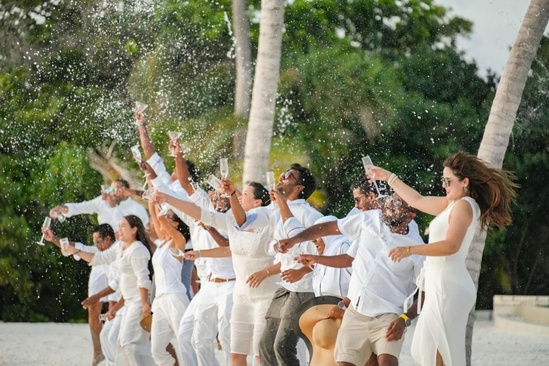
[[374, 321], [278, 343]]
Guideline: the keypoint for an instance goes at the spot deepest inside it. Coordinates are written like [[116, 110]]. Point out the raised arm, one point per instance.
[[428, 204], [146, 142], [181, 169], [236, 208], [186, 207]]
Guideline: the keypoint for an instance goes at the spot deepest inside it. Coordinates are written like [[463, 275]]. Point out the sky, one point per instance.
[[495, 26]]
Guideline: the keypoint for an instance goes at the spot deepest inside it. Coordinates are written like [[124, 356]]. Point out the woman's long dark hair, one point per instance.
[[143, 237], [493, 189], [260, 193]]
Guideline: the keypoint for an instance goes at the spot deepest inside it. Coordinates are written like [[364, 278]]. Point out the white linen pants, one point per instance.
[[133, 340]]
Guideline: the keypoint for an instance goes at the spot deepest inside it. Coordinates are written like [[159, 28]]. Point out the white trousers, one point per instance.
[[133, 340], [109, 337], [168, 310], [208, 315]]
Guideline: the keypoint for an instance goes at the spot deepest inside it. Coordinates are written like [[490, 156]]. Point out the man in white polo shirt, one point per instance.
[[374, 321]]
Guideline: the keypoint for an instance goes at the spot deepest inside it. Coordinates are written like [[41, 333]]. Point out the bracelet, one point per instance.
[[408, 250], [267, 270], [234, 192], [392, 178], [199, 254]]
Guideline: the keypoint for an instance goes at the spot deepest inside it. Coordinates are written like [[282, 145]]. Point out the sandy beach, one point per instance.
[[44, 344]]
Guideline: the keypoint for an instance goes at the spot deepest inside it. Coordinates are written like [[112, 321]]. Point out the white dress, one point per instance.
[[449, 297]]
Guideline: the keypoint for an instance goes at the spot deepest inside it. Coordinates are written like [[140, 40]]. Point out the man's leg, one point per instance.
[[285, 345], [95, 329], [272, 322]]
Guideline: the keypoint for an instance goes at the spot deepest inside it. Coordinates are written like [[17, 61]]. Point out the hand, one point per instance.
[[276, 196], [335, 313], [140, 118], [146, 309], [191, 255], [175, 147], [307, 259], [56, 212], [147, 169], [111, 314], [124, 192], [292, 275], [89, 301], [49, 235], [377, 173], [227, 186], [396, 254], [284, 245], [396, 329], [255, 279]]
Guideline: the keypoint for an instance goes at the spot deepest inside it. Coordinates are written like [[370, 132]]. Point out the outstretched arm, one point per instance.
[[337, 261], [182, 172], [187, 207], [146, 142], [313, 232], [428, 204]]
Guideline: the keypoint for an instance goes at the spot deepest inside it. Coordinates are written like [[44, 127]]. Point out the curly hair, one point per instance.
[[493, 189]]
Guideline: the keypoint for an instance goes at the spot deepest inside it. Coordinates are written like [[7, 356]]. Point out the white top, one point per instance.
[[379, 285], [216, 267], [304, 216], [107, 214], [98, 278], [167, 271], [249, 250], [132, 265], [331, 281]]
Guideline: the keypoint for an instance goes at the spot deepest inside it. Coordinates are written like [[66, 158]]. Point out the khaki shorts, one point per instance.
[[360, 335]]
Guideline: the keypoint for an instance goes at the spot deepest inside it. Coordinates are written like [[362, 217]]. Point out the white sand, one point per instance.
[[43, 344]]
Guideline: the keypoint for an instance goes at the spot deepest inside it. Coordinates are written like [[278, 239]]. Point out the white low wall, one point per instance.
[[522, 313]]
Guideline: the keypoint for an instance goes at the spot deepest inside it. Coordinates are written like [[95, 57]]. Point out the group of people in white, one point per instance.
[[260, 255]]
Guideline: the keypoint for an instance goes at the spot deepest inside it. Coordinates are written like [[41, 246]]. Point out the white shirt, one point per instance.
[[132, 265], [304, 216], [167, 272], [331, 281], [378, 285], [107, 214]]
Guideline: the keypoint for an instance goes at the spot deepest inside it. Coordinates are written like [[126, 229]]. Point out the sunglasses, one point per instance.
[[445, 181]]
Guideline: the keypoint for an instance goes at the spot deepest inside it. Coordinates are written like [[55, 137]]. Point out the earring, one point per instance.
[[465, 188]]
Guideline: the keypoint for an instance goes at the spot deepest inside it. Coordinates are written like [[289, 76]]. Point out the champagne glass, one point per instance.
[[214, 182], [64, 246], [139, 107], [149, 195], [107, 189], [173, 136], [137, 154], [367, 162], [45, 225], [270, 180], [224, 167]]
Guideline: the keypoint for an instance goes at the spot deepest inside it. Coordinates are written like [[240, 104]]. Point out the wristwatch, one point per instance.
[[407, 321], [341, 305]]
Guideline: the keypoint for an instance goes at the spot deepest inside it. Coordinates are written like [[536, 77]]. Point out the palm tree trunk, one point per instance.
[[260, 126], [243, 59], [502, 117]]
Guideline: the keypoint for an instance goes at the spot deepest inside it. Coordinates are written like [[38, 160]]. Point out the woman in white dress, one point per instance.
[[476, 195], [249, 253], [170, 300], [132, 254]]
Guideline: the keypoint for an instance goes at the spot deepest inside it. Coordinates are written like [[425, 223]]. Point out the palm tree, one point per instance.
[[243, 59], [260, 126], [502, 117]]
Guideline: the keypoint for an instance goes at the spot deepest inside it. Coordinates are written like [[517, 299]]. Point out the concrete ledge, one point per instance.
[[522, 313]]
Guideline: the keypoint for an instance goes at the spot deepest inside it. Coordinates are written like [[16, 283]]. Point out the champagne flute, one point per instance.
[[270, 180], [45, 225], [174, 136], [224, 167], [64, 246], [149, 195], [136, 154], [139, 107], [214, 182], [367, 162]]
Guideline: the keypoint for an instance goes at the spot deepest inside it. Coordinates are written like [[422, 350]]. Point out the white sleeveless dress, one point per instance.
[[449, 297]]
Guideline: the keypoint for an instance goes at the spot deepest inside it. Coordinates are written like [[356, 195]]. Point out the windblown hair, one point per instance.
[[182, 227], [306, 179], [365, 187], [143, 237], [493, 189], [260, 193]]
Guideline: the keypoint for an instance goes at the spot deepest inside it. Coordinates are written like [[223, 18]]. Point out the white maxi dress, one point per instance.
[[449, 297]]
